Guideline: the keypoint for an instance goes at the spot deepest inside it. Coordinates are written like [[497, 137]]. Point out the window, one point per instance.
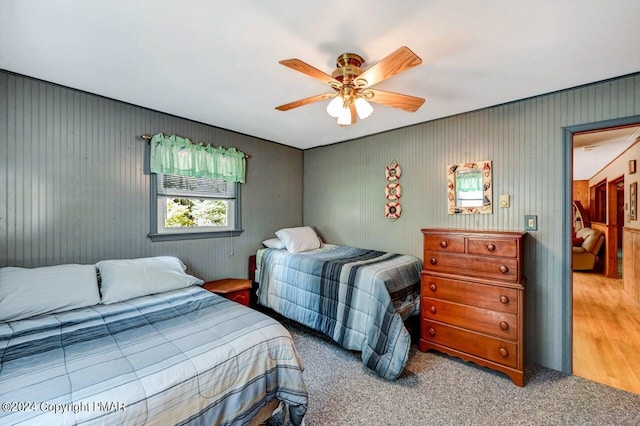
[[188, 207]]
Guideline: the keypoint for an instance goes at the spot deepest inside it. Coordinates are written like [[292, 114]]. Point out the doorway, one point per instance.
[[596, 298]]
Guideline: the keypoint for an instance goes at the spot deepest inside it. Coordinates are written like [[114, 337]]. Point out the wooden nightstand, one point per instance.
[[235, 289]]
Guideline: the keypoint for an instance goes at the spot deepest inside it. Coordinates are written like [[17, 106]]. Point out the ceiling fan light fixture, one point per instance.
[[335, 106], [363, 108], [352, 85]]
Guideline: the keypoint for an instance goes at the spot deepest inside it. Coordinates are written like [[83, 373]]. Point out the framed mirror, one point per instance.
[[469, 188]]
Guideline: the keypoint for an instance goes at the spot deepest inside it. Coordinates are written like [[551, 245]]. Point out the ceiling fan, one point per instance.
[[351, 85]]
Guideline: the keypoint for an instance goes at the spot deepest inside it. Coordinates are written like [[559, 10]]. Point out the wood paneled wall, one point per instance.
[[73, 190], [581, 192], [344, 189], [630, 263]]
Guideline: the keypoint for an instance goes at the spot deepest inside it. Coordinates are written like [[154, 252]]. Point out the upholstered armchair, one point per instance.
[[586, 245]]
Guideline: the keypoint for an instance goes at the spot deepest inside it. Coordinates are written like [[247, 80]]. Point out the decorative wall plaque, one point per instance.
[[393, 191]]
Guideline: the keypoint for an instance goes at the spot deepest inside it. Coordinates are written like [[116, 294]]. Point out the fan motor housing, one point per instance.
[[349, 59], [348, 67]]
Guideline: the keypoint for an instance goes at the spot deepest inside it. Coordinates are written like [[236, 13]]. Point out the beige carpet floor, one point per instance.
[[436, 389]]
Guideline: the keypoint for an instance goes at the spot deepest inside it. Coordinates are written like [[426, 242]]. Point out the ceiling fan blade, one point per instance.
[[305, 101], [303, 67], [396, 100], [395, 63]]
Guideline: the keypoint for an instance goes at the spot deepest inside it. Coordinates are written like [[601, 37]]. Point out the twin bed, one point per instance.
[[359, 298], [179, 356]]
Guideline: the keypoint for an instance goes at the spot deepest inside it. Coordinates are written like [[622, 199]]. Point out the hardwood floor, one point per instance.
[[606, 332]]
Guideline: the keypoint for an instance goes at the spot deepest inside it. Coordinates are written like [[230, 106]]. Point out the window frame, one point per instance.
[[159, 233]]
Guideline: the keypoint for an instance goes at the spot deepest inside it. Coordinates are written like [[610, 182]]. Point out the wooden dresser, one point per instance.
[[473, 298]]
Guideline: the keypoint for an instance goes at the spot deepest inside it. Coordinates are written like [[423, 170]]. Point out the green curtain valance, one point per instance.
[[469, 181], [173, 155]]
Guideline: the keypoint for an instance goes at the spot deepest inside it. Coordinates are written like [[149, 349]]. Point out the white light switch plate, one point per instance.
[[505, 201], [530, 222]]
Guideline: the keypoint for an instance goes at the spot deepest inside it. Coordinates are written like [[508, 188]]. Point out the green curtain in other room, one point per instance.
[[173, 155]]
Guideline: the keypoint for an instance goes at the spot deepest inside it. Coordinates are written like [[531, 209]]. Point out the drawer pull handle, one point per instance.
[[504, 325], [433, 261], [432, 331], [433, 309], [433, 287], [504, 300], [444, 244], [503, 352], [504, 269], [491, 247]]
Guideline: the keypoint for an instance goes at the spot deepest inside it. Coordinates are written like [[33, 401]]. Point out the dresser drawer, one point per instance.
[[493, 247], [498, 268], [491, 297], [448, 243], [495, 323], [489, 348]]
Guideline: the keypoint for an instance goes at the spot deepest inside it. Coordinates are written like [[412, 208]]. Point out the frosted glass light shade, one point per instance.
[[364, 108], [334, 107], [344, 119]]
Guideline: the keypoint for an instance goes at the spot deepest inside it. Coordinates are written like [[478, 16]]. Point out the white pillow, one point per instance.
[[274, 243], [27, 292], [299, 239], [128, 278]]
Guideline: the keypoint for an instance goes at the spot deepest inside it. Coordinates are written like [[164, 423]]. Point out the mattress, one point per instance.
[[181, 357]]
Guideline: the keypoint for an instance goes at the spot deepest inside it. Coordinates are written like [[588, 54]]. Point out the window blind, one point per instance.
[[187, 186]]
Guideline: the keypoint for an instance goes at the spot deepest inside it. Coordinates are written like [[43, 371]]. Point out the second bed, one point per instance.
[[358, 297]]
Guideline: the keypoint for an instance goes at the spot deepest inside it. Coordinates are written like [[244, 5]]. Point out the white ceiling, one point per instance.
[[593, 151], [216, 62]]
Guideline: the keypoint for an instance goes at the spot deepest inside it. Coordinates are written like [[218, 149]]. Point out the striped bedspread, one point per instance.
[[352, 295], [182, 357]]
